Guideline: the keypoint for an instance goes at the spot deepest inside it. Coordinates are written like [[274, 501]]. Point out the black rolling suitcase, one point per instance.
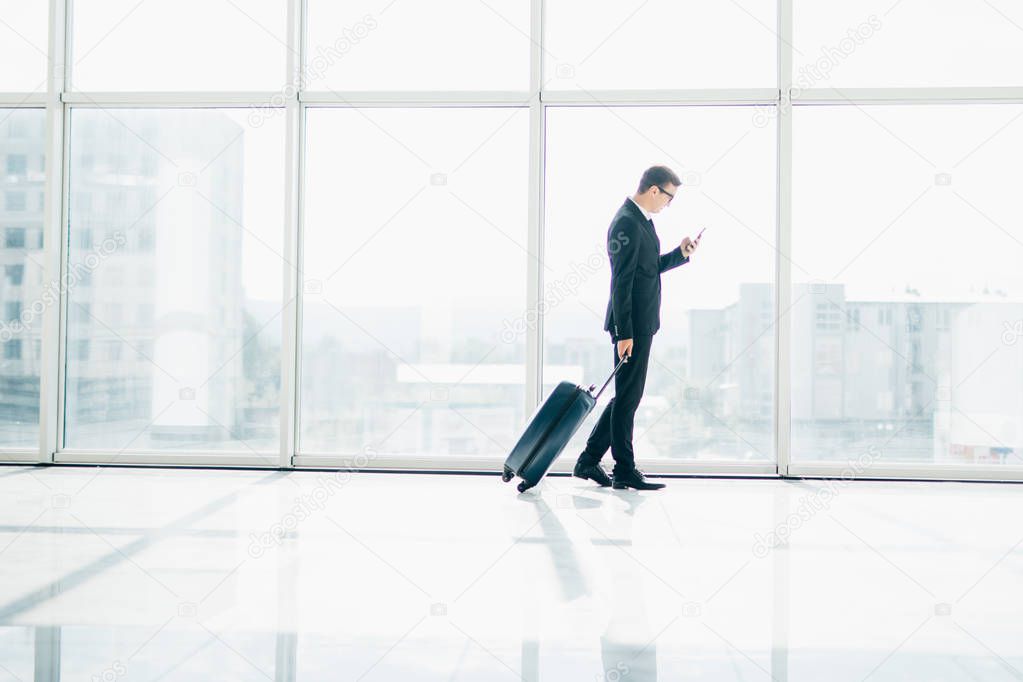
[[550, 428]]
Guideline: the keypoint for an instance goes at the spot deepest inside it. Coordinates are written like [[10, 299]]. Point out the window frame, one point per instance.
[[58, 100]]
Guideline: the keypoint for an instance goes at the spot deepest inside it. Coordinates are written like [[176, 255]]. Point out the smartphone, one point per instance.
[[701, 233]]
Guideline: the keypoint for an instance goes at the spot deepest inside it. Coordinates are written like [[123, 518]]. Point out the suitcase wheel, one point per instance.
[[507, 475], [523, 486]]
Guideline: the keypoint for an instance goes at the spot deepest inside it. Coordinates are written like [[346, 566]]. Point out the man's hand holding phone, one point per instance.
[[689, 245]]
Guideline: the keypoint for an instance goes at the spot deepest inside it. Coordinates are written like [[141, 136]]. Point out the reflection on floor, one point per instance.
[[149, 574]]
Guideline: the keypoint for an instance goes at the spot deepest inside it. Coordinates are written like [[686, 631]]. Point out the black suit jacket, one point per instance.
[[634, 308]]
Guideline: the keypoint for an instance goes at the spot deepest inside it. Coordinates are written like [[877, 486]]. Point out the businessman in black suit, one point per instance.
[[632, 318]]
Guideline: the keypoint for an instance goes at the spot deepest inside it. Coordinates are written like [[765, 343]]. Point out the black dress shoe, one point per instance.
[[593, 472], [634, 479]]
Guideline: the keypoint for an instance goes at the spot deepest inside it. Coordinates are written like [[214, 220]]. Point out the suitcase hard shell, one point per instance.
[[549, 429]]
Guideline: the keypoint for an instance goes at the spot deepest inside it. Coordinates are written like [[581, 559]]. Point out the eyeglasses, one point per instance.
[[670, 195]]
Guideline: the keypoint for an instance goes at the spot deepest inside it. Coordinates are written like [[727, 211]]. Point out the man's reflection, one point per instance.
[[628, 650]]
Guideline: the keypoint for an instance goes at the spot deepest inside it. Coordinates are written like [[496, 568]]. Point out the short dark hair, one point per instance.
[[658, 175]]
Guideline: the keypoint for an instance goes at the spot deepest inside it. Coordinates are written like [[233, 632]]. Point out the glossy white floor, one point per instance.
[[184, 574]]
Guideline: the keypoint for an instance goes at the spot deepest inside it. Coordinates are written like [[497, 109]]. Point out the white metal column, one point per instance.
[[51, 374], [783, 225], [534, 240], [292, 288]]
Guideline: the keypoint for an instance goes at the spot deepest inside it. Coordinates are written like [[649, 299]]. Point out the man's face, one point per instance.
[[663, 194]]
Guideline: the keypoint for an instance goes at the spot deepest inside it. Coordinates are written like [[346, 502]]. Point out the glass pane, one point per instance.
[[908, 301], [104, 652], [22, 183], [174, 309], [387, 45], [908, 43], [415, 271], [23, 41], [658, 44], [179, 45], [709, 388], [17, 647]]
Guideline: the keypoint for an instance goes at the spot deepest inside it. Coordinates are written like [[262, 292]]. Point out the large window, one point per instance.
[[449, 45], [174, 300], [179, 45], [659, 44], [324, 228], [709, 390], [907, 309], [23, 294], [907, 43], [414, 270], [23, 46]]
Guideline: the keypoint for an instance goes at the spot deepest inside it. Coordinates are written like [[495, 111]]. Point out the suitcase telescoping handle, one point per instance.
[[625, 358]]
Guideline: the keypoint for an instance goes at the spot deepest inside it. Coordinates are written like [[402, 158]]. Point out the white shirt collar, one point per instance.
[[645, 213]]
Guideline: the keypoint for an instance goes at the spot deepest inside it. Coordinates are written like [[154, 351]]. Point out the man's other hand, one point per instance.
[[624, 348], [688, 246]]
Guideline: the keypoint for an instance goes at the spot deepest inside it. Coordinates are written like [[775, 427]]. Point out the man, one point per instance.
[[632, 318]]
